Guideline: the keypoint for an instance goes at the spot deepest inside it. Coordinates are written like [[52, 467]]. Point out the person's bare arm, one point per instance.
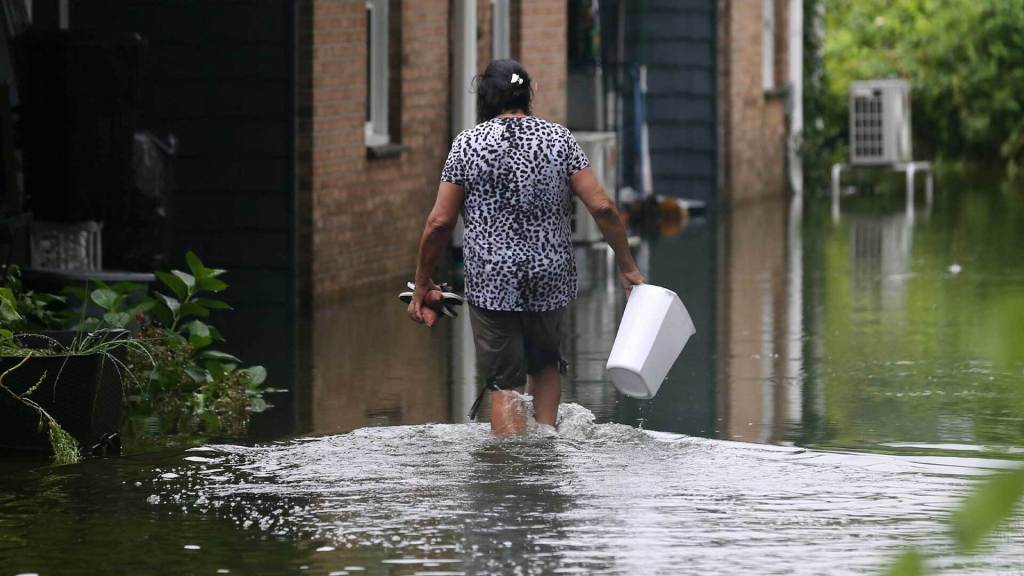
[[436, 234], [603, 209]]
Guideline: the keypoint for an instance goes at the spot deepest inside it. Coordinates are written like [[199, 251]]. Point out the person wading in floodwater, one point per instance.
[[512, 176]]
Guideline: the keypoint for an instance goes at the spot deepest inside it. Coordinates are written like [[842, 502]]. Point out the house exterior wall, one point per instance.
[[542, 51], [675, 40], [364, 215], [752, 124]]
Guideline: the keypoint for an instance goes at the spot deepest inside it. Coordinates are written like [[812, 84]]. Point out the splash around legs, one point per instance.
[[516, 410], [508, 411]]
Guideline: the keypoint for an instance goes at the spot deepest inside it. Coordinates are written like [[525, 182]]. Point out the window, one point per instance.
[[768, 45], [377, 72], [500, 37]]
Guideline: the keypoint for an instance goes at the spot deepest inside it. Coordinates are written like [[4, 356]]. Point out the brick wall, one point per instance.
[[541, 49], [365, 215], [752, 124], [360, 218]]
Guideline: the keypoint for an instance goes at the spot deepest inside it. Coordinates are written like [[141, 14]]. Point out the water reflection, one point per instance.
[[752, 339], [517, 493], [852, 334], [857, 336], [373, 367]]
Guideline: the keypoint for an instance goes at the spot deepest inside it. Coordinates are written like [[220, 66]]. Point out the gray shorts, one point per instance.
[[510, 345]]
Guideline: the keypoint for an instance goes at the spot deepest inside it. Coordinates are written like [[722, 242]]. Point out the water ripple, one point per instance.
[[597, 499]]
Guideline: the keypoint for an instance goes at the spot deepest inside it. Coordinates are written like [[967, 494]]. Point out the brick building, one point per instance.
[[760, 90], [362, 202], [324, 123], [312, 132]]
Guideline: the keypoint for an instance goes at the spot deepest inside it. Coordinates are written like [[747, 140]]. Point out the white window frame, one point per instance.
[[768, 45], [377, 84], [501, 42]]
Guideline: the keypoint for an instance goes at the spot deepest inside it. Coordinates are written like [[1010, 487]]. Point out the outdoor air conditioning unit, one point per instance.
[[600, 150], [880, 123]]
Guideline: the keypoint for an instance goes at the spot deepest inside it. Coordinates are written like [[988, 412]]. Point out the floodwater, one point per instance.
[[849, 379]]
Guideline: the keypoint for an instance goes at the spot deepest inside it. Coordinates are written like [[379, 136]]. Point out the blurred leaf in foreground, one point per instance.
[[991, 504], [909, 563]]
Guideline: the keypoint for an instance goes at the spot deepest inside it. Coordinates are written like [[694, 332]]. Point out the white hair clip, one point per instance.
[[517, 79]]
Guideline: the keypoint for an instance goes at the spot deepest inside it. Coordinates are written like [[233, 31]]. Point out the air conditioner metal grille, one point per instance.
[[867, 135], [880, 122]]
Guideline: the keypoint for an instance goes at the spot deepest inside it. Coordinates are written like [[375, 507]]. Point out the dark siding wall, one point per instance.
[[219, 76], [676, 40]]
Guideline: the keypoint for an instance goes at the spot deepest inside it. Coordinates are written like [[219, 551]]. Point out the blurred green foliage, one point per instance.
[[989, 507], [963, 58]]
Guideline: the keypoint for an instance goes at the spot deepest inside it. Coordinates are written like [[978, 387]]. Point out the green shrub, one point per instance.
[[963, 58], [175, 382]]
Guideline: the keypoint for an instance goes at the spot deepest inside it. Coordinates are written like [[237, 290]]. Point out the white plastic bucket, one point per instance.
[[655, 327]]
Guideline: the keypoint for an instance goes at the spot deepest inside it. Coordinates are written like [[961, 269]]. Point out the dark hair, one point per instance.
[[495, 92]]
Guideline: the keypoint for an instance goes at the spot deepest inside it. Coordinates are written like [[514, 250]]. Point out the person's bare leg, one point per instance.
[[507, 416], [546, 388]]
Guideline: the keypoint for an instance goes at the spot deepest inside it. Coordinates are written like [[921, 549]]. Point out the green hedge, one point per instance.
[[963, 58]]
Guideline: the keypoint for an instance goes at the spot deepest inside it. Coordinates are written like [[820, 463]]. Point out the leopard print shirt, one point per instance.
[[517, 246]]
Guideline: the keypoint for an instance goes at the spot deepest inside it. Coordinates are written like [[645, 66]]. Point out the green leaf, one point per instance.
[[8, 296], [216, 370], [196, 265], [46, 298], [117, 319], [172, 304], [211, 284], [199, 342], [218, 355], [105, 298], [163, 315], [176, 285], [909, 563], [5, 333], [198, 375], [992, 503], [213, 304], [199, 334], [8, 313], [197, 328], [194, 309], [256, 375], [188, 279]]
